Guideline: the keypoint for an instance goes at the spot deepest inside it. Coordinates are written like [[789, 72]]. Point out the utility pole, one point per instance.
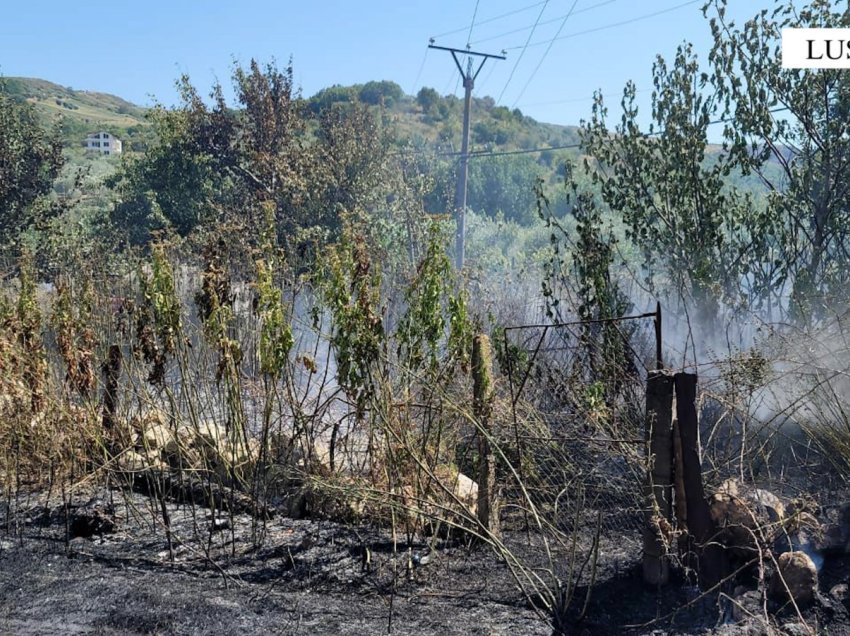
[[463, 167]]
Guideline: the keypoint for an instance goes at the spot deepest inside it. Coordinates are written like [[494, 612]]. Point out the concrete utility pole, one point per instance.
[[463, 167]]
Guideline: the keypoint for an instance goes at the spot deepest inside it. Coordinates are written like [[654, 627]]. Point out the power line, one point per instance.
[[516, 64], [472, 24], [549, 48], [574, 100], [610, 26], [493, 19], [525, 151], [487, 77], [419, 73], [545, 22], [449, 84]]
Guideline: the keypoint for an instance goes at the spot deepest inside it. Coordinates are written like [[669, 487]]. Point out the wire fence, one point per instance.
[[577, 411]]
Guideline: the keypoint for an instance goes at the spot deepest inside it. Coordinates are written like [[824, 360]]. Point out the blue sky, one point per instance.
[[137, 49]]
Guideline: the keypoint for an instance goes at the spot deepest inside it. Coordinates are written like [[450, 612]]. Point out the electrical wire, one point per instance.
[[449, 84], [493, 19], [575, 100], [525, 151], [545, 53], [519, 59], [472, 24], [419, 73], [486, 79], [609, 26], [545, 22]]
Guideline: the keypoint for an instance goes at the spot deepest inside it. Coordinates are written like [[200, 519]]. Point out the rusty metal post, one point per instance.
[[659, 484]]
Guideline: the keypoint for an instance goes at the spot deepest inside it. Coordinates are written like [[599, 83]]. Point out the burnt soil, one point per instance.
[[322, 577]]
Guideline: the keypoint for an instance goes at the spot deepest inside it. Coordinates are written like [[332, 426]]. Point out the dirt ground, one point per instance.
[[320, 577]]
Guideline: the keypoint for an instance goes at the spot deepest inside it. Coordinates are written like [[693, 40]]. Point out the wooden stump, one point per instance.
[[483, 393], [659, 485]]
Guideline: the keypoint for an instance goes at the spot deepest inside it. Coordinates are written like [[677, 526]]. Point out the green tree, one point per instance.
[[504, 185], [795, 122], [428, 99], [30, 160], [328, 97], [216, 163], [579, 281], [385, 92], [694, 231]]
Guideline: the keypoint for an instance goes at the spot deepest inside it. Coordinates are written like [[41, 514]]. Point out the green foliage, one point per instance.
[[331, 96], [214, 164], [350, 288], [692, 229], [27, 326], [807, 144], [215, 308], [158, 321], [73, 317], [428, 99], [433, 304], [504, 185], [578, 277], [513, 360], [30, 159], [385, 93], [276, 338], [172, 186]]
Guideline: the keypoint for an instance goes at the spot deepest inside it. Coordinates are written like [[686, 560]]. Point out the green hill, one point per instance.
[[428, 118], [79, 112]]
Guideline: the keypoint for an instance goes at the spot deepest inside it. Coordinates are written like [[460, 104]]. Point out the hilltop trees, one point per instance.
[[428, 99], [30, 159], [384, 92]]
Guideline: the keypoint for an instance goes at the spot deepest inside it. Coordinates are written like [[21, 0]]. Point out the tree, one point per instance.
[[579, 277], [428, 99], [215, 163], [796, 120], [328, 97], [385, 92], [174, 185], [692, 229], [504, 184], [30, 160]]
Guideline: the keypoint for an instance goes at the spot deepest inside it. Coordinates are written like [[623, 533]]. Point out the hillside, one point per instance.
[[78, 112], [428, 119], [431, 118]]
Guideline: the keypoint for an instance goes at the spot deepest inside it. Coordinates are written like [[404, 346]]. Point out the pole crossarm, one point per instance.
[[463, 167], [466, 52]]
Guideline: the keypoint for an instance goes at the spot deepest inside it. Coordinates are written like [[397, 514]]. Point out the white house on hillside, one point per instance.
[[102, 142]]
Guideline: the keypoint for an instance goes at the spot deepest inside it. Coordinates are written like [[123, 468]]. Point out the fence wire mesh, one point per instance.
[[577, 409]]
